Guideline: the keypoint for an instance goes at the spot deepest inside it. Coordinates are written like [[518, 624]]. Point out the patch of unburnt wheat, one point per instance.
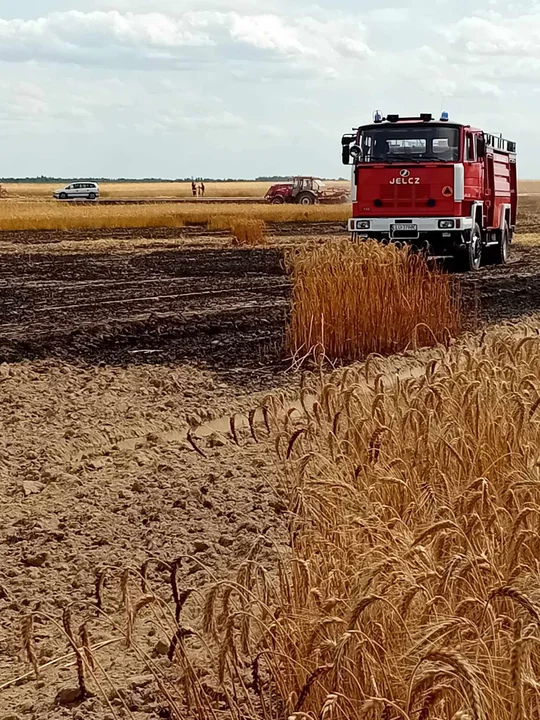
[[375, 444], [434, 529], [359, 609], [442, 631], [514, 594], [534, 408], [465, 671]]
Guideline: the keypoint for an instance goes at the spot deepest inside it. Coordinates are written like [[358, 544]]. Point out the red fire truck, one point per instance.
[[446, 188]]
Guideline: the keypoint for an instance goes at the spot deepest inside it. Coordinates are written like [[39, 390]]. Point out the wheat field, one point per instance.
[[58, 216], [411, 589], [127, 190]]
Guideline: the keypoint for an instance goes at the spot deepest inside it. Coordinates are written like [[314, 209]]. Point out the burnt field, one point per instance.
[[201, 302]]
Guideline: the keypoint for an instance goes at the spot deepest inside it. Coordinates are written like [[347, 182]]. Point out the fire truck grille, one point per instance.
[[405, 196]]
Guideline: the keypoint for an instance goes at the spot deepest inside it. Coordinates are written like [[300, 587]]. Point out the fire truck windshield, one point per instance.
[[405, 143]]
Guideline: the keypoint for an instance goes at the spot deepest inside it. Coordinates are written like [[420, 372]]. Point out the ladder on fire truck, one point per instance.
[[497, 142]]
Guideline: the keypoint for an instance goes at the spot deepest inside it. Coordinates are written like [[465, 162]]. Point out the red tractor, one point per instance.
[[305, 191]]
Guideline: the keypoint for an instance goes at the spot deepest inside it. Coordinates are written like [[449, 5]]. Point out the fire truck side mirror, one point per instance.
[[346, 141]]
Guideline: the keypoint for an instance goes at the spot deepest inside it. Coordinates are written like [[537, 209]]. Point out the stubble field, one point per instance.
[[124, 355]]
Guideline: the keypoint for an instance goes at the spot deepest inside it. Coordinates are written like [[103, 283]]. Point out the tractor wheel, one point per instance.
[[278, 200], [305, 198]]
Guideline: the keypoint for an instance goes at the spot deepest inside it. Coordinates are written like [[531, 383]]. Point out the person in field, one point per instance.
[[194, 188], [202, 189]]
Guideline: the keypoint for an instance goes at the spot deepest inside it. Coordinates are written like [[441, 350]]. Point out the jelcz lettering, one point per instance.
[[405, 181]]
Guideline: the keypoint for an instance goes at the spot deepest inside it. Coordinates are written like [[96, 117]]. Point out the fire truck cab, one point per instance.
[[445, 188]]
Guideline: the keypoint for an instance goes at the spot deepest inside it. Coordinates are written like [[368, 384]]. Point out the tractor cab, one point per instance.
[[307, 184]]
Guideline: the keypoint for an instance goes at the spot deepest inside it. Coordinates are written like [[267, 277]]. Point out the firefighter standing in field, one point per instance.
[[202, 189], [194, 188]]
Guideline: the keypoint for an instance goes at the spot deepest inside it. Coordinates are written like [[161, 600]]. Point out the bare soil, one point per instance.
[[110, 353]]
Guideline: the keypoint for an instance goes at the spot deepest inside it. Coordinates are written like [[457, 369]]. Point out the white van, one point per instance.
[[78, 191]]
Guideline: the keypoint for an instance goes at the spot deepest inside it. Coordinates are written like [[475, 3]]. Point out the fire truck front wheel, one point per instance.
[[470, 258], [499, 253]]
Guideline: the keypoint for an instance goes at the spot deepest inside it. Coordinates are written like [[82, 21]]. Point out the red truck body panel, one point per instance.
[[402, 196]]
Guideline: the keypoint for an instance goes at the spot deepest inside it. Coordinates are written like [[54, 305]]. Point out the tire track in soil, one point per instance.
[[37, 237], [225, 309]]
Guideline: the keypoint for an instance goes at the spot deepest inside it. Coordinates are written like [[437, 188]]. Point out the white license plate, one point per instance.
[[404, 227]]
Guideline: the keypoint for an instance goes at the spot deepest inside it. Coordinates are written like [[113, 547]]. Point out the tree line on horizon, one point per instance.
[[47, 179]]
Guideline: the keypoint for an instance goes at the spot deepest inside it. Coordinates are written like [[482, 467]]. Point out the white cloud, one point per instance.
[[261, 89], [497, 35], [352, 48], [127, 39]]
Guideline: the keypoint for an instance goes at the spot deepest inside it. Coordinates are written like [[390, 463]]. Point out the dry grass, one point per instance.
[[58, 216], [350, 300]]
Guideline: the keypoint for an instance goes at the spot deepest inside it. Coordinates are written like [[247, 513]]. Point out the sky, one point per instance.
[[244, 88]]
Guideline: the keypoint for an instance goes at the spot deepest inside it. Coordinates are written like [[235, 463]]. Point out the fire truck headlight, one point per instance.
[[362, 225], [447, 224]]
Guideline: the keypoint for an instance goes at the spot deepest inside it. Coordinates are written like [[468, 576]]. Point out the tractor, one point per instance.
[[302, 190]]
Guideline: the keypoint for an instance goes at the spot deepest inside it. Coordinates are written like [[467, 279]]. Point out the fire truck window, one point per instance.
[[421, 142], [471, 148]]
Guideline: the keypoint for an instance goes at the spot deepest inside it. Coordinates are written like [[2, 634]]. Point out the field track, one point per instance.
[[170, 200], [222, 307], [195, 231]]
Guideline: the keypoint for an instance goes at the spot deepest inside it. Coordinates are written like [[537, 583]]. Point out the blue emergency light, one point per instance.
[[444, 117]]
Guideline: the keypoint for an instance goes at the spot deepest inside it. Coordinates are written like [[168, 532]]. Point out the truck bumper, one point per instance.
[[375, 227]]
